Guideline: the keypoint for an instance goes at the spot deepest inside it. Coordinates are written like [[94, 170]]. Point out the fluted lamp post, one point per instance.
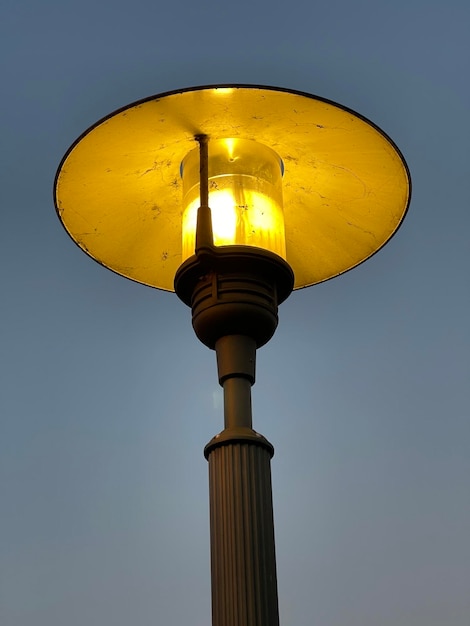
[[233, 196]]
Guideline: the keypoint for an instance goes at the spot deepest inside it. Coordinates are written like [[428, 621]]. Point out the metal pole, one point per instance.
[[204, 236], [243, 563]]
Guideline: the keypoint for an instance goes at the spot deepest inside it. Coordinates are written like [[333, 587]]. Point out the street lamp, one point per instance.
[[233, 196]]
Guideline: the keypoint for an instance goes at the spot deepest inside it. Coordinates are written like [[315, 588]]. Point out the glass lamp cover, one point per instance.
[[245, 196]]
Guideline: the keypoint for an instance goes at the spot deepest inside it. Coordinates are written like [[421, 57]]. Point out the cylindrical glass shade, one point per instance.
[[245, 196]]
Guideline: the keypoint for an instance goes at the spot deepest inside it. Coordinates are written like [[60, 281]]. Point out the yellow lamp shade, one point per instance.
[[245, 196], [126, 189]]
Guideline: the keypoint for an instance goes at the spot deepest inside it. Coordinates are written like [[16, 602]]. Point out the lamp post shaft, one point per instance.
[[243, 563]]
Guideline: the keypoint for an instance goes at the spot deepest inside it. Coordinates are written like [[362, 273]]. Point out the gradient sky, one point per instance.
[[107, 397]]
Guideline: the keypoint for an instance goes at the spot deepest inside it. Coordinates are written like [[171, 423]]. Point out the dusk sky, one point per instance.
[[107, 398]]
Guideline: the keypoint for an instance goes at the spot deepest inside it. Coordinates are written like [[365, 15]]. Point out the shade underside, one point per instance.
[[118, 190]]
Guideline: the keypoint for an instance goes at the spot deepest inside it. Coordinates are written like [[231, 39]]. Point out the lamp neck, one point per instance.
[[236, 357]]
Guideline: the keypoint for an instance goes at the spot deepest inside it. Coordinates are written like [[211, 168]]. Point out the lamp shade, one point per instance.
[[119, 190]]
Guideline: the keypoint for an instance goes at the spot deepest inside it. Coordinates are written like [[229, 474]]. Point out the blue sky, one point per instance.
[[108, 398]]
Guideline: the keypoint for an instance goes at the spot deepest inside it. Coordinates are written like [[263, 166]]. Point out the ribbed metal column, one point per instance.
[[243, 562], [244, 584]]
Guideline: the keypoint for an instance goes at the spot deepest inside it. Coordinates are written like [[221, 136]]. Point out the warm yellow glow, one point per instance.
[[258, 222], [345, 186], [223, 91], [245, 196], [230, 145]]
